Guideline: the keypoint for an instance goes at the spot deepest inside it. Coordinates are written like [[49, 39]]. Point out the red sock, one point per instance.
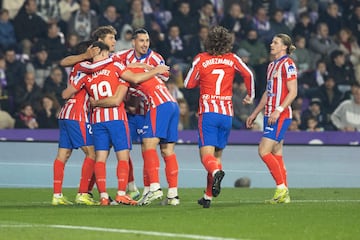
[[122, 172], [100, 173], [58, 175], [131, 171], [171, 170], [87, 172], [146, 176], [280, 160], [92, 181], [210, 163], [274, 167], [209, 182], [152, 165]]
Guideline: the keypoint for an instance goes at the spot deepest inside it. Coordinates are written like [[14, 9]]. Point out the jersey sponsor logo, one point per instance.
[[205, 96], [269, 128], [269, 88]]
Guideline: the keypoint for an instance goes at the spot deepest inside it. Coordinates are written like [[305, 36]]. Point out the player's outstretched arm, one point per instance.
[[112, 101], [140, 65], [136, 78], [72, 60]]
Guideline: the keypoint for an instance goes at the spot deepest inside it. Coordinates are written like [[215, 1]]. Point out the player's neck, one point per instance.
[[279, 56], [101, 56]]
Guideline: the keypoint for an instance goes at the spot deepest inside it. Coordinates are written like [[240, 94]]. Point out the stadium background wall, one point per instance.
[[30, 164]]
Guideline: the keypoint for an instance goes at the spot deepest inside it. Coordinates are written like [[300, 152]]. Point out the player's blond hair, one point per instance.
[[286, 40], [219, 41], [101, 32]]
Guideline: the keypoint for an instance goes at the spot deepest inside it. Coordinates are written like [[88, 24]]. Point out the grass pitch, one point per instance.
[[26, 213]]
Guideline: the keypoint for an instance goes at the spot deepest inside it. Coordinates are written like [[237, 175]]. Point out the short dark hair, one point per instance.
[[81, 47], [139, 31], [101, 45], [336, 53]]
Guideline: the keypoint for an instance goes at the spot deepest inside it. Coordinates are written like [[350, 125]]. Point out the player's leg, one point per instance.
[[135, 122], [151, 168], [272, 142], [63, 154], [121, 141], [100, 173], [171, 172], [278, 154], [167, 146], [278, 150], [122, 172], [102, 145], [218, 175], [85, 196], [58, 176], [132, 189], [214, 130], [265, 151]]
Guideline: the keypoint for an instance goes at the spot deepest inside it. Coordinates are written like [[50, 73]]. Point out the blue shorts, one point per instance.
[[276, 131], [74, 134], [214, 129], [162, 122], [136, 124], [111, 133]]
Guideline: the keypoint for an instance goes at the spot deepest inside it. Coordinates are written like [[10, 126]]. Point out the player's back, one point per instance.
[[76, 107], [216, 74], [155, 89], [104, 83]]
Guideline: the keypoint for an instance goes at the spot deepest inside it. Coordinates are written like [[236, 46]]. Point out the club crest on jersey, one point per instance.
[[291, 69], [77, 77]]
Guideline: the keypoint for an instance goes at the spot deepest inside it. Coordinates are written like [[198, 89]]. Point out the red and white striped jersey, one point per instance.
[[137, 100], [103, 83], [77, 107], [214, 75], [153, 91], [150, 58], [279, 72]]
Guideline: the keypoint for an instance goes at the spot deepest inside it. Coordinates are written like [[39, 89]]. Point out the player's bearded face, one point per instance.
[[142, 43]]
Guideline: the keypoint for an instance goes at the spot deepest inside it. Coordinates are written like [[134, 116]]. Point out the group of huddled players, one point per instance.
[[107, 80]]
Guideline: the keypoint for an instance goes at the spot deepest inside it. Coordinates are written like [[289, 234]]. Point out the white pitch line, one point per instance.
[[300, 201], [115, 230]]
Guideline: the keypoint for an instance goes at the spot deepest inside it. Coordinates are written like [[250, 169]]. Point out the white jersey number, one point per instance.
[[221, 74], [101, 89]]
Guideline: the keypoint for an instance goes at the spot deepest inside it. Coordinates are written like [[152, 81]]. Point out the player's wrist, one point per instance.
[[280, 109]]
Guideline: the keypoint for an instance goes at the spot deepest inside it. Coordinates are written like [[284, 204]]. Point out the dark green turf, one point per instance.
[[237, 213]]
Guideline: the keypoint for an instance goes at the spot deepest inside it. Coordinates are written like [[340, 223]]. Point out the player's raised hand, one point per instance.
[[92, 52]]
